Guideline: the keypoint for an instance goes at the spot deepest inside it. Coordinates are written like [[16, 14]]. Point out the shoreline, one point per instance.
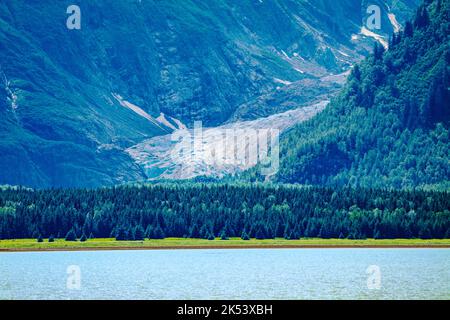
[[30, 245], [214, 248]]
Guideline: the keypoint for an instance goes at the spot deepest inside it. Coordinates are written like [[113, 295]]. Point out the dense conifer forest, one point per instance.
[[220, 210], [389, 127]]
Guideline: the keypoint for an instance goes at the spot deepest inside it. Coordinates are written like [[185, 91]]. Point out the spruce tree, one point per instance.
[[83, 238], [139, 233], [409, 30], [223, 235], [158, 233], [71, 236], [149, 232], [121, 234], [294, 235], [211, 236], [194, 234], [260, 234]]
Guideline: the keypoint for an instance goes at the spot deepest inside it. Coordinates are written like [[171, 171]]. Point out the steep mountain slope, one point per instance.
[[72, 101], [390, 125]]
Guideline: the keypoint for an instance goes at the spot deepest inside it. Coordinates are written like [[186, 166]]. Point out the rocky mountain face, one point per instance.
[[73, 101]]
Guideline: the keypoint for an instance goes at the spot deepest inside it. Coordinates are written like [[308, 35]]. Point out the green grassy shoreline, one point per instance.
[[233, 243]]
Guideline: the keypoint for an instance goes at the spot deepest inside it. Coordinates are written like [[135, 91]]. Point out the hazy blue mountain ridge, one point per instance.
[[62, 122]]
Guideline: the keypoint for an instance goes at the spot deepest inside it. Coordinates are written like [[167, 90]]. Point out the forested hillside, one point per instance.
[[390, 125], [206, 211]]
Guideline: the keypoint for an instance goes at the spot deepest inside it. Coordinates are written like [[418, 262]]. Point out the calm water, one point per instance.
[[228, 274]]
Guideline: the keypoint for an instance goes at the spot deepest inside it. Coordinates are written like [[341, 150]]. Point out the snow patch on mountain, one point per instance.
[[11, 95], [285, 82], [135, 109], [12, 99], [162, 119], [366, 32], [395, 24], [285, 54], [140, 112]]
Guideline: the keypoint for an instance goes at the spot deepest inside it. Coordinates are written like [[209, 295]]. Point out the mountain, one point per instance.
[[389, 127], [73, 101]]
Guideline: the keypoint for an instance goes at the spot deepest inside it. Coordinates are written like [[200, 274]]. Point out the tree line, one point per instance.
[[207, 211]]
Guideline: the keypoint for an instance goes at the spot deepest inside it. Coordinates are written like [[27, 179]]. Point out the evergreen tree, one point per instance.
[[356, 72], [71, 236], [223, 235], [139, 233], [121, 234], [294, 235], [158, 233], [245, 236], [422, 19], [149, 232], [194, 234], [204, 232], [35, 234], [409, 30], [378, 51], [425, 233], [260, 234], [83, 238]]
